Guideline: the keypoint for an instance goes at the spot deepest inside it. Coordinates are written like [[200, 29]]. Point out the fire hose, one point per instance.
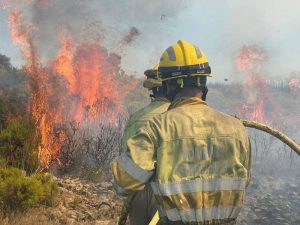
[[251, 124]]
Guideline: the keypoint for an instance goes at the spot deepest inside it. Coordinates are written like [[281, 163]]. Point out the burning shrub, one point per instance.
[[19, 192], [79, 81], [18, 144], [89, 150], [71, 147]]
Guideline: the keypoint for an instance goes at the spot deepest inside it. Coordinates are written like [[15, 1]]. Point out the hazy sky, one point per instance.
[[219, 27]]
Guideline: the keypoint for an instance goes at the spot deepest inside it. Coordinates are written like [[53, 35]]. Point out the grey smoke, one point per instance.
[[220, 28], [109, 22], [61, 18]]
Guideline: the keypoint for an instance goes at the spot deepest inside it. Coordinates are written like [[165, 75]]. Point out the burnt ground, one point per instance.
[[269, 200]]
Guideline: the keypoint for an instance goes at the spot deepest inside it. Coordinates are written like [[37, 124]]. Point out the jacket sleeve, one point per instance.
[[136, 165], [249, 164]]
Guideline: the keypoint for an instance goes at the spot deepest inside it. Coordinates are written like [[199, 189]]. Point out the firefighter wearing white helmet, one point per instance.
[[143, 206], [197, 159]]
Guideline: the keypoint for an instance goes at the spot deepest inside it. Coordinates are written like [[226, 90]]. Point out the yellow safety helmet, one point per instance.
[[181, 60], [152, 80]]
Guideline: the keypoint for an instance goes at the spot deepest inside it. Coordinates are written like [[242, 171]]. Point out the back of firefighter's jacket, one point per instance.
[[196, 158], [139, 119]]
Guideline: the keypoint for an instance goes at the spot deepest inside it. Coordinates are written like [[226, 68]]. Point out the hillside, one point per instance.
[[82, 167]]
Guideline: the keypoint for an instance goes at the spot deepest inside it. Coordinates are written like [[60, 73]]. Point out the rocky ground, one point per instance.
[[268, 201], [85, 201], [80, 202], [272, 201]]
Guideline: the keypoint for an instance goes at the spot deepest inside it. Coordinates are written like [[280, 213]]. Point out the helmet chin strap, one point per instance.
[[204, 90], [171, 94]]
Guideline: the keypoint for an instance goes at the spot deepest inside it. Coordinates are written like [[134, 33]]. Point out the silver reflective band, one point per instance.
[[119, 190], [161, 211], [133, 169], [199, 185], [204, 214]]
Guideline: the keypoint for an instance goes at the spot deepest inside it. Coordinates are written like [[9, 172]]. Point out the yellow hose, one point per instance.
[[276, 133]]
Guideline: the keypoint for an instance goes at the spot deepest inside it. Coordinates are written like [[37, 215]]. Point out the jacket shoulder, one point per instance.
[[186, 119], [228, 124], [151, 109]]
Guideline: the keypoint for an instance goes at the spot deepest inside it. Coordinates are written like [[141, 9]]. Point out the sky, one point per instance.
[[218, 27]]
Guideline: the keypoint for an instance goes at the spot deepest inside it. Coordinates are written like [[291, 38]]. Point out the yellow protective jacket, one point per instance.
[[139, 119], [196, 158]]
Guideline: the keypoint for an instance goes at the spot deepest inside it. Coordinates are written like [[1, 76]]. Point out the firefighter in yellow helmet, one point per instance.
[[197, 159], [144, 206]]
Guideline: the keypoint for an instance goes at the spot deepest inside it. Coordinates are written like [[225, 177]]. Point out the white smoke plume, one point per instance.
[[220, 28]]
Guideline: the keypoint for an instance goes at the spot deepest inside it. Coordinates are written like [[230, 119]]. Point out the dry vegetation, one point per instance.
[[86, 196], [79, 202]]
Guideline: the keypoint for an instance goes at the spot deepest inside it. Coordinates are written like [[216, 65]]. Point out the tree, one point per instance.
[[5, 64]]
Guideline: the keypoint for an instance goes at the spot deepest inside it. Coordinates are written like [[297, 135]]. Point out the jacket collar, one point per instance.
[[187, 101], [160, 99]]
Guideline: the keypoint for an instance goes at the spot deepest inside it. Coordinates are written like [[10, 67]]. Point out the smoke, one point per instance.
[[54, 18], [249, 58], [294, 82], [129, 28], [272, 25], [72, 75], [126, 12], [155, 21], [219, 27], [130, 37]]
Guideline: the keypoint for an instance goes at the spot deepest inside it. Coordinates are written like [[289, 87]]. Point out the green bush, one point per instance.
[[50, 188], [19, 144], [20, 192], [14, 91]]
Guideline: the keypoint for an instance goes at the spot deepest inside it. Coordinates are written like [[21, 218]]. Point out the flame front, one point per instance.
[[248, 60], [92, 81], [81, 83]]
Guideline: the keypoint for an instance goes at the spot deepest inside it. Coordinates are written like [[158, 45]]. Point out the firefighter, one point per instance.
[[197, 159], [143, 206]]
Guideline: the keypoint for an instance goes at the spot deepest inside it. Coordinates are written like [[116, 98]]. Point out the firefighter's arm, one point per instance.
[[135, 166], [249, 164]]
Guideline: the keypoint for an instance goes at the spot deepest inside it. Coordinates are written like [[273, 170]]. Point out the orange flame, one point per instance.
[[20, 30], [248, 60], [294, 82], [80, 84], [91, 78], [248, 57]]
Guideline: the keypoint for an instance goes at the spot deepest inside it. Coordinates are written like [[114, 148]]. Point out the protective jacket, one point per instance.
[[196, 158], [139, 119]]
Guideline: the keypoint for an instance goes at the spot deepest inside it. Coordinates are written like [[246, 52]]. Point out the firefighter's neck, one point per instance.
[[158, 95], [189, 92]]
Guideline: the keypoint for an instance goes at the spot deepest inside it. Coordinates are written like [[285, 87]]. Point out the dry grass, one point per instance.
[[46, 216], [37, 216], [78, 202]]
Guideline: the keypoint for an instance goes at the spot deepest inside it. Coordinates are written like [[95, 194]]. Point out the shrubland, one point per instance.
[[20, 187], [87, 150], [20, 192]]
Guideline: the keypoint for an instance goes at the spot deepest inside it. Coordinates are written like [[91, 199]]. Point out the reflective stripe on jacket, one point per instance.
[[200, 159], [132, 175]]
